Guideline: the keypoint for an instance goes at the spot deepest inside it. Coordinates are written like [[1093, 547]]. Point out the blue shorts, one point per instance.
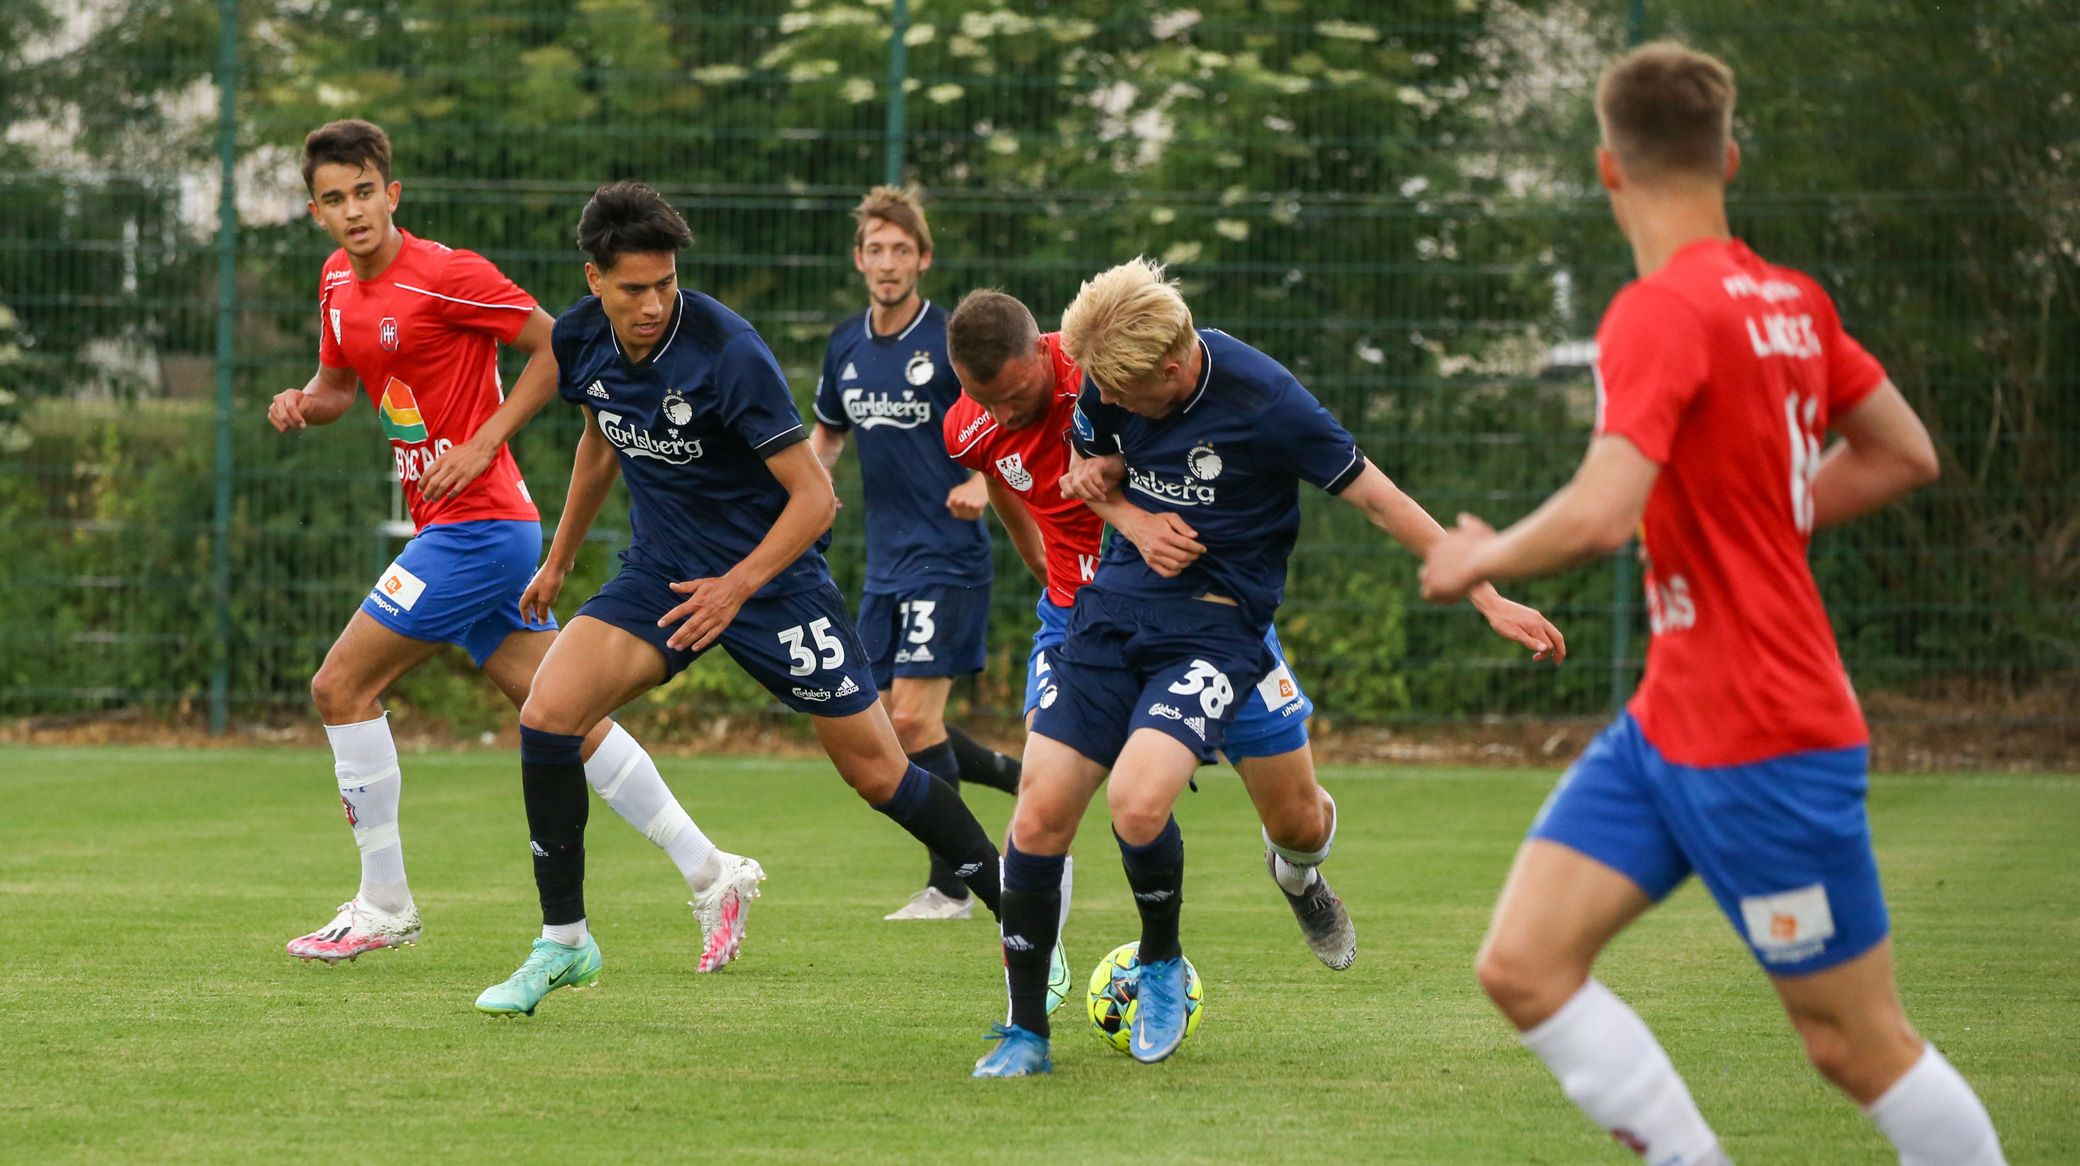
[[925, 631], [1182, 669], [1271, 722], [801, 647], [460, 583], [1783, 845]]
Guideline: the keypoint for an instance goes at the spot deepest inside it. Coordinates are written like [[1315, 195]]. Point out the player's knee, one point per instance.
[[1136, 817], [1862, 1065], [1298, 823], [913, 727], [1525, 988], [1040, 827], [339, 699], [545, 717]]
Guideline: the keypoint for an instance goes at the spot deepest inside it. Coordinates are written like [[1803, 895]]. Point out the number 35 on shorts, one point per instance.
[[1210, 685], [806, 643]]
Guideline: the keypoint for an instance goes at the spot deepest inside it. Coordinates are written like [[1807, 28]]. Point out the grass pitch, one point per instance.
[[149, 1013]]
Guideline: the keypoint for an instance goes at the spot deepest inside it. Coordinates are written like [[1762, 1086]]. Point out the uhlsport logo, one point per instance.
[[642, 443], [872, 410], [1013, 469], [386, 334], [400, 413]]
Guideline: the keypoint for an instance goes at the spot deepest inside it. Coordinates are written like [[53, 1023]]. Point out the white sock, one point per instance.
[[364, 759], [626, 777], [1294, 869], [1934, 1119], [567, 934], [1614, 1069]]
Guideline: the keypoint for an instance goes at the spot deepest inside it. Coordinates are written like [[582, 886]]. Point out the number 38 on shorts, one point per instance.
[[1210, 685]]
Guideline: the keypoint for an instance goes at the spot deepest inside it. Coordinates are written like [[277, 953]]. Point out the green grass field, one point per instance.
[[149, 1013]]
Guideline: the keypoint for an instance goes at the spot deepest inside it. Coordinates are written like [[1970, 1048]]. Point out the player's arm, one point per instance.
[[321, 401], [1885, 451], [711, 604], [1387, 507], [1019, 525], [828, 444], [454, 470], [1167, 543], [593, 471]]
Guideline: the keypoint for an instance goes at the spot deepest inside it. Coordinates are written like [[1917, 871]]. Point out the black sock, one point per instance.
[[935, 815], [552, 780], [1155, 871], [1032, 921], [938, 761], [983, 765]]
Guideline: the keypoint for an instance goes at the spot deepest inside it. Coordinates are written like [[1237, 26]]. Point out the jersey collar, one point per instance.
[[670, 334], [866, 322], [1205, 376]]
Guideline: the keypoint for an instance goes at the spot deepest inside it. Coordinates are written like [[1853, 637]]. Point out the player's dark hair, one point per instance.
[[629, 218], [349, 142], [1667, 110], [988, 330]]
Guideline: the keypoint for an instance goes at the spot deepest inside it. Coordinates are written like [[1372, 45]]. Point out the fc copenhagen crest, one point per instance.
[[676, 410], [920, 370], [1206, 464], [386, 334]]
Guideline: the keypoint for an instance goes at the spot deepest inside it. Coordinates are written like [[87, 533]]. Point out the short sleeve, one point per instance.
[[753, 395], [1852, 372], [828, 402], [1298, 436], [476, 295], [563, 344], [1651, 360], [962, 431], [1094, 428], [330, 354]]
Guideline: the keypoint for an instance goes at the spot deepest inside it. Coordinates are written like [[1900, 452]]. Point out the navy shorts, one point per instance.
[[460, 583], [1182, 669], [1783, 845], [1271, 722], [925, 631], [801, 646]]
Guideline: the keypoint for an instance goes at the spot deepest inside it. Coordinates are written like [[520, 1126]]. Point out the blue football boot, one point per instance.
[[1159, 1011], [1018, 1054]]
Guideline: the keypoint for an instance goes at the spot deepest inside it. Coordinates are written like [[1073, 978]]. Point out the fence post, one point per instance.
[[1622, 582], [898, 75], [227, 295]]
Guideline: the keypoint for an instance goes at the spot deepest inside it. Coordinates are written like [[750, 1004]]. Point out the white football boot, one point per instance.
[[358, 929], [723, 908], [933, 903]]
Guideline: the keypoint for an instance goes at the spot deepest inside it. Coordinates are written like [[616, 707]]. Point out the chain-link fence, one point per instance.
[[1400, 209]]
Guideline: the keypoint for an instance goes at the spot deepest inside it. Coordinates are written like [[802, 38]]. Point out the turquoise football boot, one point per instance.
[[1057, 979], [1159, 1011], [1018, 1054], [549, 966]]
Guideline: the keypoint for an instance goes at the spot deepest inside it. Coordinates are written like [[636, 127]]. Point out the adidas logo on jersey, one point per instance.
[[598, 389], [851, 372]]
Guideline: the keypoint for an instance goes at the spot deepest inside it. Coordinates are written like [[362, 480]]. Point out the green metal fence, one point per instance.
[[1399, 204]]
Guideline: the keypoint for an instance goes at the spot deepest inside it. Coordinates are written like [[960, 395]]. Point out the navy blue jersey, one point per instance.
[[693, 423], [892, 391], [1229, 462]]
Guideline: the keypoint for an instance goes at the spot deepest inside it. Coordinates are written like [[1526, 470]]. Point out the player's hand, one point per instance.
[[537, 601], [967, 500], [1513, 621], [1449, 569], [286, 411], [453, 471], [710, 606], [1166, 542], [1092, 478]]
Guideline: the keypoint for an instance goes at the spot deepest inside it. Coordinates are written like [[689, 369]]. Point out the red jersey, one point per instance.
[[423, 338], [1726, 370], [1032, 461]]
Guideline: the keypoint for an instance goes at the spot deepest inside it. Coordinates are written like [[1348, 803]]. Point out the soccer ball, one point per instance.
[[1112, 995]]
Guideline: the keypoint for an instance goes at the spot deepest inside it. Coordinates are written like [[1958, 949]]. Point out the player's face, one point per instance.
[[1160, 392], [888, 257], [1018, 397], [354, 205], [637, 294]]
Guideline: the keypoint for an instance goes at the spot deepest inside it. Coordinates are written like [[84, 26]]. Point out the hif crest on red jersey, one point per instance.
[[386, 334]]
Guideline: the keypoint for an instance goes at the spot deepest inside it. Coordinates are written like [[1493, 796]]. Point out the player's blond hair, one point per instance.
[[900, 205], [1667, 111], [1125, 323]]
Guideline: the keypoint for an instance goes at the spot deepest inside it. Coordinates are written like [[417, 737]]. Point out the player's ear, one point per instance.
[[1733, 160], [859, 261], [1608, 171], [395, 189], [592, 277], [924, 262]]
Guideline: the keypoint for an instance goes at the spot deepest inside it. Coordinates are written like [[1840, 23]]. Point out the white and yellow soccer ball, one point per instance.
[[1113, 995]]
